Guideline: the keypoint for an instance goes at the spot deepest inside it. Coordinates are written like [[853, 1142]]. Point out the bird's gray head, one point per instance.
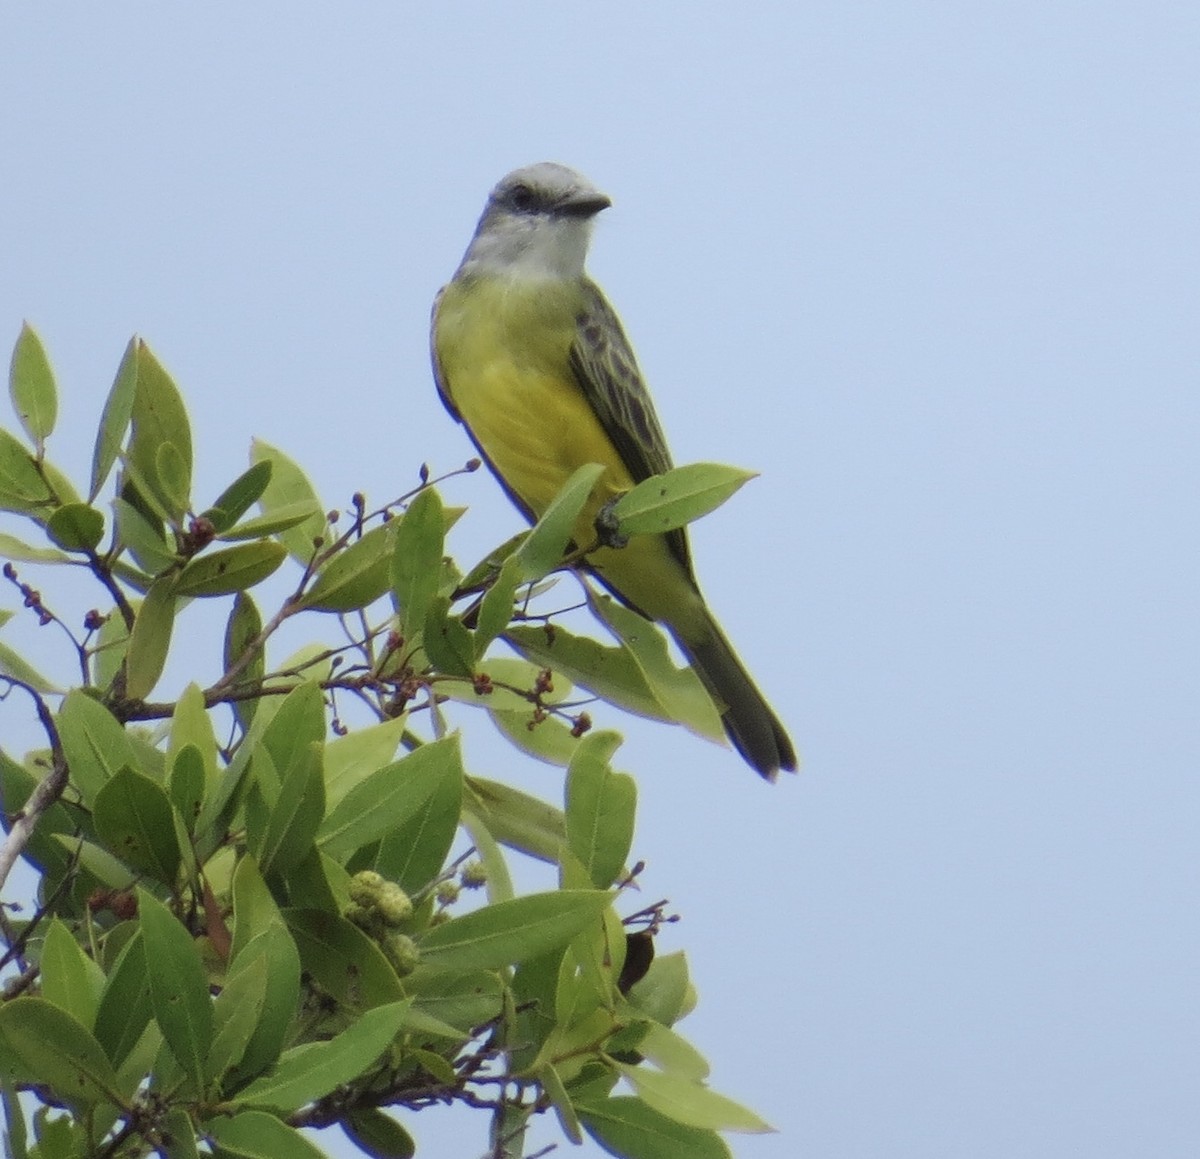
[[536, 224]]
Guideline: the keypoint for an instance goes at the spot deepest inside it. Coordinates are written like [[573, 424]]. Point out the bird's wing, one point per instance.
[[606, 369]]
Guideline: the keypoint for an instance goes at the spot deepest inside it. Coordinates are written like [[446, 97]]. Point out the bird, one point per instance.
[[530, 357]]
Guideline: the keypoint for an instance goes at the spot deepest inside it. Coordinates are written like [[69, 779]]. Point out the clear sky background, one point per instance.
[[931, 268]]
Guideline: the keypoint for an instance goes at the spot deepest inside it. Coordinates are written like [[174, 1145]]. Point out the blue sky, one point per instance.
[[931, 269]]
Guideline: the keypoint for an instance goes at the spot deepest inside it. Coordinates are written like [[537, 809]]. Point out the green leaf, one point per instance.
[[611, 673], [192, 725], [31, 387], [40, 1043], [491, 856], [350, 759], [160, 420], [150, 639], [548, 740], [125, 1004], [306, 1073], [496, 608], [600, 806], [690, 1103], [346, 963], [556, 1092], [296, 814], [114, 422], [448, 644], [14, 665], [70, 979], [281, 519], [22, 488], [258, 1135], [298, 723], [101, 864], [354, 577], [75, 527], [389, 798], [671, 1052], [270, 1031], [627, 1126], [290, 485], [239, 496], [413, 852], [417, 559], [259, 930], [233, 569], [236, 1014], [462, 999], [19, 552], [133, 818], [173, 476], [665, 994], [679, 690], [543, 551], [143, 537], [178, 987], [520, 821], [185, 784], [677, 497], [241, 631], [509, 932], [378, 1134]]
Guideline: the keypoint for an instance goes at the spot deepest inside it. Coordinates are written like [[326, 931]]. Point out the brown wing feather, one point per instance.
[[605, 367]]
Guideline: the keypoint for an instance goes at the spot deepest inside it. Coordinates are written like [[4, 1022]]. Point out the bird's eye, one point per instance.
[[522, 197]]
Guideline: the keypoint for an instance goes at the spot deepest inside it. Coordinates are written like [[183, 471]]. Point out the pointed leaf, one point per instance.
[[627, 1126], [600, 809], [150, 639], [143, 537], [114, 422], [521, 821], [413, 852], [258, 1135], [296, 814], [509, 932], [679, 690], [22, 488], [355, 577], [233, 569], [178, 987], [133, 818], [241, 632], [379, 1135], [283, 518], [40, 1043], [19, 552], [290, 485], [306, 1073], [14, 665], [389, 797], [70, 979], [31, 387], [689, 1102], [125, 1004], [677, 497], [160, 420], [239, 496], [543, 551], [344, 961], [75, 527], [417, 559]]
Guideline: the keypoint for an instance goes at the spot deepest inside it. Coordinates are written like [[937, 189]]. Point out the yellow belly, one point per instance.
[[504, 357]]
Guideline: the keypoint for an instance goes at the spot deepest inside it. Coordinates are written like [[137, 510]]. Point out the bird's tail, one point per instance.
[[753, 727]]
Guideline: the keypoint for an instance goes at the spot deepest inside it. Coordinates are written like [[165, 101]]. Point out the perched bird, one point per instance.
[[531, 358]]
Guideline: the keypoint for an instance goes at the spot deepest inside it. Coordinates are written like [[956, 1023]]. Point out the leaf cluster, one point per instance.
[[303, 924]]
